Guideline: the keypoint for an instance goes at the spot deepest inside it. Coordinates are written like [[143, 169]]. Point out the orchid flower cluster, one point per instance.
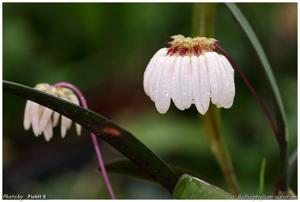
[[189, 71], [42, 119]]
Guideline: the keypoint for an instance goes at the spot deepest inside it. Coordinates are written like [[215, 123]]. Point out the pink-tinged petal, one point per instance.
[[27, 115], [78, 129], [223, 82], [215, 77], [205, 85], [186, 82], [69, 123], [196, 83], [65, 125], [201, 87], [150, 68], [176, 85], [46, 117], [229, 91], [163, 98], [154, 79], [48, 132], [55, 118], [35, 118], [74, 99]]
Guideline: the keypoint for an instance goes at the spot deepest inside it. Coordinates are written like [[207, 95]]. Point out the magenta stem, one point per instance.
[[252, 90], [93, 137]]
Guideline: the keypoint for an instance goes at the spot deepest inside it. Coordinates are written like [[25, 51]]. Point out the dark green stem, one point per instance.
[[283, 152], [292, 165], [284, 186], [203, 25], [262, 177]]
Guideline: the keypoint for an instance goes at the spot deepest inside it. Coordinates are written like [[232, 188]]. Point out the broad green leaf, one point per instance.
[[189, 187], [265, 63], [105, 129], [125, 167], [262, 177]]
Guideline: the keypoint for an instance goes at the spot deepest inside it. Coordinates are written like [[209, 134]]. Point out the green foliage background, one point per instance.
[[104, 50]]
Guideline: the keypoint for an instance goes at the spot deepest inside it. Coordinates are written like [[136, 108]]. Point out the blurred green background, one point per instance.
[[104, 48]]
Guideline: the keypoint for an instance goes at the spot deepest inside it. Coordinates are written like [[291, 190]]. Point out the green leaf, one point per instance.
[[262, 177], [125, 167], [105, 129], [189, 187], [262, 56]]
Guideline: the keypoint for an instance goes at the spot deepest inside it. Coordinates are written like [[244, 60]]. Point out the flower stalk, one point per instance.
[[280, 117], [250, 87], [212, 126], [282, 142], [93, 137], [203, 25]]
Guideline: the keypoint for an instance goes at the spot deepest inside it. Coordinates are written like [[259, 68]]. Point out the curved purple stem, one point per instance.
[[252, 90], [93, 137]]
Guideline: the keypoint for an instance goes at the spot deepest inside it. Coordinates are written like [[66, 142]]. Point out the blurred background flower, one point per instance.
[[43, 119], [104, 49]]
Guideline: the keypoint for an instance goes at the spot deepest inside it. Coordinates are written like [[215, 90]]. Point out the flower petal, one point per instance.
[[55, 119], [176, 85], [150, 67], [48, 132], [229, 87], [78, 128], [46, 117], [154, 79], [163, 98], [201, 87], [63, 127], [215, 77], [74, 99], [35, 118], [186, 82], [65, 124], [27, 115]]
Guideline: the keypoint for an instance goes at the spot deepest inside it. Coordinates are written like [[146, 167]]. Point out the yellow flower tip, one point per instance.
[[57, 91], [42, 87], [190, 46]]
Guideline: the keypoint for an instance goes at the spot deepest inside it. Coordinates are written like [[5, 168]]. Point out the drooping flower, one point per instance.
[[190, 71], [42, 119]]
